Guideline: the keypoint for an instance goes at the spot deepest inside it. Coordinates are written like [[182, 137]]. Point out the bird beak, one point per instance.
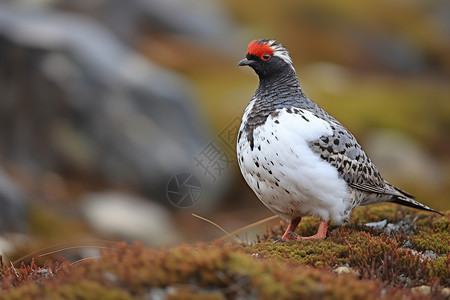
[[245, 62]]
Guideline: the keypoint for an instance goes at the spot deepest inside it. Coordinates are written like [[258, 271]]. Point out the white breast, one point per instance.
[[286, 175]]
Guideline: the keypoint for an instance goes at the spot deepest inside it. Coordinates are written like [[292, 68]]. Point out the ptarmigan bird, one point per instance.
[[299, 160]]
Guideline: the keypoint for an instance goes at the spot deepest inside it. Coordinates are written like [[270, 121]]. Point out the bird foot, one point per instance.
[[290, 235], [277, 239], [286, 237], [313, 237], [296, 237], [294, 234]]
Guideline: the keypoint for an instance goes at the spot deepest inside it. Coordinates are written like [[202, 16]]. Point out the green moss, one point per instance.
[[277, 280], [438, 242], [370, 252], [375, 213], [424, 221], [189, 295], [210, 272], [440, 268], [86, 290], [441, 224], [434, 234], [48, 225], [312, 252], [264, 270]]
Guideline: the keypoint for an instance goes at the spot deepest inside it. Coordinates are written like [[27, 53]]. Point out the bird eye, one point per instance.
[[265, 56]]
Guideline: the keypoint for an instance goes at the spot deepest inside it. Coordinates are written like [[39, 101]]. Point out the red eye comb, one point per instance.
[[259, 48]]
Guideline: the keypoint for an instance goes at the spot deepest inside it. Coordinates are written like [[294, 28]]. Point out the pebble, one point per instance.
[[423, 289], [343, 270]]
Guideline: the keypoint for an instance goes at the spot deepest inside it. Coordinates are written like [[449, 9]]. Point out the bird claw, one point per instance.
[[282, 240], [277, 239], [294, 234]]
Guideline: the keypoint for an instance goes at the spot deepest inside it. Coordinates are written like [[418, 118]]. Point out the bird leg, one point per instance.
[[290, 229], [321, 232]]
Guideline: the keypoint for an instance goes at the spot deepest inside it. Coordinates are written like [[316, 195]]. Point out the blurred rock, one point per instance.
[[423, 289], [406, 226], [202, 21], [343, 270], [76, 100], [334, 79], [377, 225], [446, 292], [11, 241], [394, 52], [399, 157], [13, 205], [129, 217]]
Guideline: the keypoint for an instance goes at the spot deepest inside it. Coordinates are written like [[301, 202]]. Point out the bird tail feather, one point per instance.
[[407, 201]]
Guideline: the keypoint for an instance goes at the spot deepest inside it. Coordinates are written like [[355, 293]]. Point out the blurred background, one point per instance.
[[108, 106]]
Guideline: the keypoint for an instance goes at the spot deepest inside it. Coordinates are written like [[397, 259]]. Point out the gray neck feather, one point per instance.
[[277, 92]]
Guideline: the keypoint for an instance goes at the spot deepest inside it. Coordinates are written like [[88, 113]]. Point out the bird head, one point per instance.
[[267, 58]]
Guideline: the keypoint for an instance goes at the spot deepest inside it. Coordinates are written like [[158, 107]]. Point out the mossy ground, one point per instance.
[[380, 265]]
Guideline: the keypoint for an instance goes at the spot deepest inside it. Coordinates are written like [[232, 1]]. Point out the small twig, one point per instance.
[[34, 253], [230, 235], [218, 226], [71, 248], [249, 226], [15, 271], [83, 259]]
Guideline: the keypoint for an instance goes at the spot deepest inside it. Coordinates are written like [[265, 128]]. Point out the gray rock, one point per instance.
[[407, 226], [377, 225], [200, 22], [13, 205], [129, 217], [431, 255], [11, 242], [203, 22], [343, 270], [77, 100], [446, 293], [396, 52], [398, 156], [407, 244], [423, 289]]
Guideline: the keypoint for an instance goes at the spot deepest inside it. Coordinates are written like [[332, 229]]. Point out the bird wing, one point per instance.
[[353, 165], [342, 151]]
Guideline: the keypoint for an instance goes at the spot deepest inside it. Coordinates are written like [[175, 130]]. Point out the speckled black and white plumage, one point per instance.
[[298, 159]]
